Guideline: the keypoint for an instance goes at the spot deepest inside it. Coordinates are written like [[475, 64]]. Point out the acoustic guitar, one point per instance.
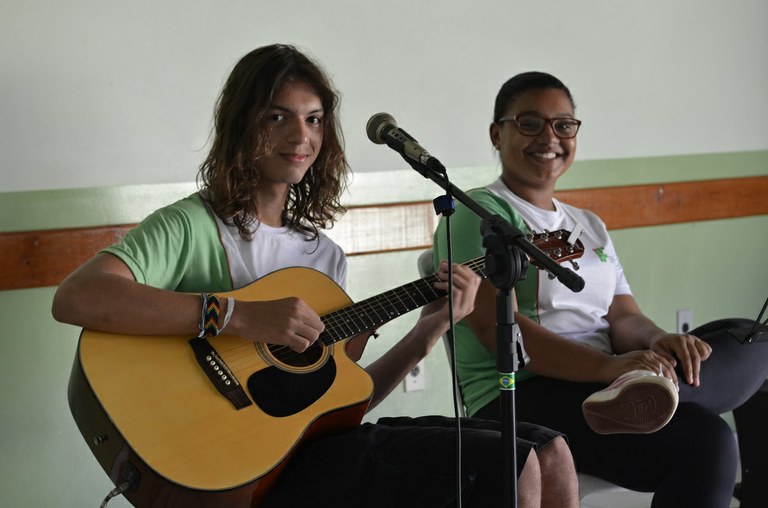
[[185, 422]]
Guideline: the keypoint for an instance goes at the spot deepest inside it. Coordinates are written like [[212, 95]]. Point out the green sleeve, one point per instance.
[[177, 248], [476, 366], [467, 242]]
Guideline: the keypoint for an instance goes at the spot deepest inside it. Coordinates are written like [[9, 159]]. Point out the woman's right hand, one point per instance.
[[639, 360]]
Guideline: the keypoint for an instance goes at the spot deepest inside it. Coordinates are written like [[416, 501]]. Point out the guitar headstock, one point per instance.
[[557, 246]]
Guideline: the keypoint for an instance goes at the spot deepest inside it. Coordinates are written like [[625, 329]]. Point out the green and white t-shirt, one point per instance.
[[578, 316], [184, 247]]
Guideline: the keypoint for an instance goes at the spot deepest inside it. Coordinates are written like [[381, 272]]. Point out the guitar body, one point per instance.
[[146, 408]]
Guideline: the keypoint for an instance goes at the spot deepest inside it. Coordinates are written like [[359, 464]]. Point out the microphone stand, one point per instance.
[[506, 264]]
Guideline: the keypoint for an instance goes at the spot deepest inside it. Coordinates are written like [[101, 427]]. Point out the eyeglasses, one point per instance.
[[533, 125]]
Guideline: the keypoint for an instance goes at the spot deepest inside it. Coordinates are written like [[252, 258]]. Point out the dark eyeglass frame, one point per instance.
[[547, 121]]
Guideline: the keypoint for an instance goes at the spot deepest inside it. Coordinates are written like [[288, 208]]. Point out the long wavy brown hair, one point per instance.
[[229, 176]]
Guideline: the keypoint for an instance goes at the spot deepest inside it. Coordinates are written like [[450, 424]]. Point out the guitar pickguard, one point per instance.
[[280, 392]]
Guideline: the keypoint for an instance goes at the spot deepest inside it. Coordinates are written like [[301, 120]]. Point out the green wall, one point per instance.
[[715, 268]]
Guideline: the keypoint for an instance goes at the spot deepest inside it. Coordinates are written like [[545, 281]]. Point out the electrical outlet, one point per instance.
[[684, 320], [416, 379]]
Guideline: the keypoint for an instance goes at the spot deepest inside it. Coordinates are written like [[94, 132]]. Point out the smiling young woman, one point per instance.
[[596, 365]]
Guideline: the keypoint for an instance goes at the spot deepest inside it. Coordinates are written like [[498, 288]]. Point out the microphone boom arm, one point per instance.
[[513, 235]]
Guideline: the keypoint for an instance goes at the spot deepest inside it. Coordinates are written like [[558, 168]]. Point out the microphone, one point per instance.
[[382, 129]]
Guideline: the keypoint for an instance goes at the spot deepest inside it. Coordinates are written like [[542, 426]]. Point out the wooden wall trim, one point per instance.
[[44, 258], [671, 203]]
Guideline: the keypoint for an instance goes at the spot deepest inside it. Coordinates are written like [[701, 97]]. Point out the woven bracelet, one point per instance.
[[209, 318]]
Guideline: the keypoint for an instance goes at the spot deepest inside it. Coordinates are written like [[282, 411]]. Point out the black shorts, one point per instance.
[[402, 462]]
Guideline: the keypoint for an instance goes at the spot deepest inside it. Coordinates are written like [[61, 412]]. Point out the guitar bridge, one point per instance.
[[219, 373]]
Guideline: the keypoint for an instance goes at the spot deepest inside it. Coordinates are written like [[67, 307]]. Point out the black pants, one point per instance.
[[401, 463], [692, 461], [753, 449]]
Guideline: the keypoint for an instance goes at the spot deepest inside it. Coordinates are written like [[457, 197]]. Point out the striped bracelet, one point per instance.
[[209, 316]]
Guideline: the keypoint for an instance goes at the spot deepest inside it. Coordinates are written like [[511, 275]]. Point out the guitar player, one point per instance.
[[269, 186]]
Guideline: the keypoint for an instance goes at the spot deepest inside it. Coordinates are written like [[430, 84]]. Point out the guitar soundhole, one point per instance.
[[283, 357], [281, 392], [309, 357]]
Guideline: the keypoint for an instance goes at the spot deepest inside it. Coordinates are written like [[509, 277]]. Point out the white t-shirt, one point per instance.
[[274, 248], [578, 316]]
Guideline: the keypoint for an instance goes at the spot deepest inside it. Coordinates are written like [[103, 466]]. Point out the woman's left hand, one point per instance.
[[434, 316], [688, 350]]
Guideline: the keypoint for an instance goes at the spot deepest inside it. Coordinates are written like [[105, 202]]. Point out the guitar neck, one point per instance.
[[378, 310], [373, 312]]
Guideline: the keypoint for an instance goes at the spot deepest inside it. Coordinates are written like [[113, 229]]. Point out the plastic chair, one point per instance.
[[588, 484]]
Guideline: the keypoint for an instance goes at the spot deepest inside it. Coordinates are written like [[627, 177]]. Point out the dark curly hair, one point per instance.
[[230, 174], [521, 83]]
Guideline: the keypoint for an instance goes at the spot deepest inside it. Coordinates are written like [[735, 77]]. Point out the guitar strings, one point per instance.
[[355, 319], [363, 316], [366, 315], [345, 323]]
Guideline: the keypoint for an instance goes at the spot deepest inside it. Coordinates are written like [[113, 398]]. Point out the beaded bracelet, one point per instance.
[[209, 317]]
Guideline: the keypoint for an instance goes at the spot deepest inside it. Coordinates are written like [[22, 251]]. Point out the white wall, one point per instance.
[[104, 92]]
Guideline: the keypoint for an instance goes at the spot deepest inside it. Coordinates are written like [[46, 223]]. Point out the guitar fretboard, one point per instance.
[[378, 310]]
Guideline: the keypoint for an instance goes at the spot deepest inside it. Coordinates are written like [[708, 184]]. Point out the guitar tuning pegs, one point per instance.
[[575, 265], [550, 275]]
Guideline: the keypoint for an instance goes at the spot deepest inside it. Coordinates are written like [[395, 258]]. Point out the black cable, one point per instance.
[[444, 206], [120, 489], [755, 332], [454, 375]]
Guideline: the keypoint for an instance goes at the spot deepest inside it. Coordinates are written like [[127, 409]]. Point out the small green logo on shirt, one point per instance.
[[601, 254]]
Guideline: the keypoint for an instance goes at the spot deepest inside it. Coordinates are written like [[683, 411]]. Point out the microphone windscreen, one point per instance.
[[376, 125]]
